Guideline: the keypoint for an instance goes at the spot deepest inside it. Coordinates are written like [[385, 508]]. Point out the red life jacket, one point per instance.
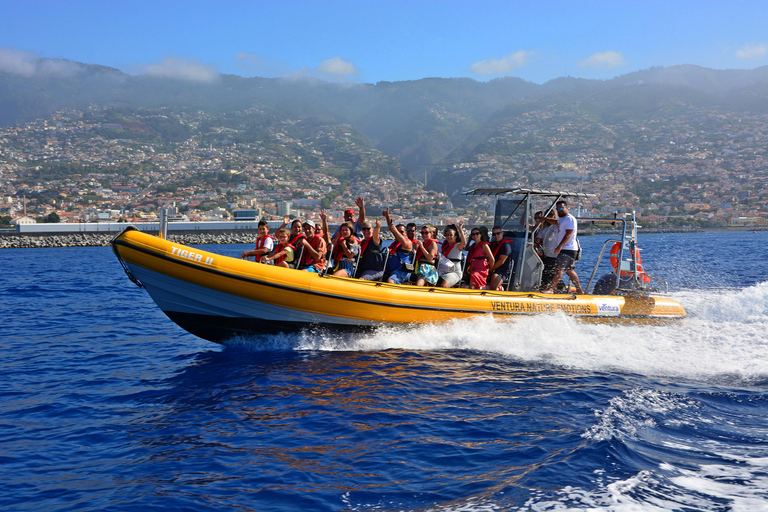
[[307, 260], [262, 241], [447, 248], [279, 248], [477, 252], [420, 253], [498, 247], [364, 245], [338, 252], [293, 241]]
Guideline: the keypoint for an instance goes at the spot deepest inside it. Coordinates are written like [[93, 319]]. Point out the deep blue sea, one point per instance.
[[105, 404]]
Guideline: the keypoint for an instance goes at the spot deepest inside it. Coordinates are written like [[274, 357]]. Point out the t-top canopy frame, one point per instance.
[[524, 191]]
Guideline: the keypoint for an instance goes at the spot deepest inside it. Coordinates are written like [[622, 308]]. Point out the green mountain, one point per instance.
[[427, 124]]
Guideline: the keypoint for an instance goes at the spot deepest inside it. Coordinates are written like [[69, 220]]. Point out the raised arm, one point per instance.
[[407, 245], [286, 222], [361, 210], [462, 238], [324, 219], [377, 232]]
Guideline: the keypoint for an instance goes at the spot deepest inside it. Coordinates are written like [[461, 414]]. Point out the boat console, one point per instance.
[[514, 212]]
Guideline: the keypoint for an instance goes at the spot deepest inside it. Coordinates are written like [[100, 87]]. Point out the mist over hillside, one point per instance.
[[427, 124]]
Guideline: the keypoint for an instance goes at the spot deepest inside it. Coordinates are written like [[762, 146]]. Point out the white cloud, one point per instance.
[[262, 66], [504, 65], [608, 59], [17, 62], [752, 51], [245, 58], [337, 69], [58, 67], [25, 63], [182, 69]]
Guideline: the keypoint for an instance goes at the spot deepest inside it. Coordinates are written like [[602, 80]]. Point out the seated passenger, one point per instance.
[[313, 257], [264, 242], [479, 259], [426, 256], [346, 247], [400, 261], [503, 258], [349, 216], [410, 233], [283, 253], [449, 269], [372, 253], [295, 234]]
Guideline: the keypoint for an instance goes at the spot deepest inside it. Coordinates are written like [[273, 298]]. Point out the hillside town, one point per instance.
[[703, 169]]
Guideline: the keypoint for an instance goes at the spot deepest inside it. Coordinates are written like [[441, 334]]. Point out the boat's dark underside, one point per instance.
[[221, 328]]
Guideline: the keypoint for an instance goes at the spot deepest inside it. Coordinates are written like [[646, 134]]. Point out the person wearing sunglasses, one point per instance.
[[502, 256], [400, 261], [479, 258], [449, 268], [567, 229], [372, 253], [426, 256]]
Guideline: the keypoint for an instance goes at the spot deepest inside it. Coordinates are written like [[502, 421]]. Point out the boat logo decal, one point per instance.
[[608, 307], [538, 307], [192, 256]]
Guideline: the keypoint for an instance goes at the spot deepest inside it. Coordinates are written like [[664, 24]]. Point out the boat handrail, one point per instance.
[[628, 242]]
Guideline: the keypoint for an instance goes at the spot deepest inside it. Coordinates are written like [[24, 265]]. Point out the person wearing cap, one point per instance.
[[313, 258], [349, 216]]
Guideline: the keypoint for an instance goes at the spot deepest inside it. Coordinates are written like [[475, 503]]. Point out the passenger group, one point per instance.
[[356, 250]]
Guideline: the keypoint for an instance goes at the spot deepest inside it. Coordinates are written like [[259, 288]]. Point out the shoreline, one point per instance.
[[26, 241], [39, 240]]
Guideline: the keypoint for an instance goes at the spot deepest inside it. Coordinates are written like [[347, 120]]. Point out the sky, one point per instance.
[[368, 41]]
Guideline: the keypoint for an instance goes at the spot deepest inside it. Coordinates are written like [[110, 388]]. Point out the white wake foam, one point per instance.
[[725, 336]]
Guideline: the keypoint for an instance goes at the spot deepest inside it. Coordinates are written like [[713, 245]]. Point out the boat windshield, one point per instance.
[[511, 215]]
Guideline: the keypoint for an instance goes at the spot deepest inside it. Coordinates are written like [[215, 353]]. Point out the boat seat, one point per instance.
[[530, 268]]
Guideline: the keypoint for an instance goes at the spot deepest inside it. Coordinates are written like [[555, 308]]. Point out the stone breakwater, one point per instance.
[[104, 239]]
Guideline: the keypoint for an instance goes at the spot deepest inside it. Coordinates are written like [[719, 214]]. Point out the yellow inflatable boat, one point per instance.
[[217, 297]]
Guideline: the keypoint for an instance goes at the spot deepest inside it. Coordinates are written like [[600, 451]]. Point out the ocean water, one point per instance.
[[106, 405]]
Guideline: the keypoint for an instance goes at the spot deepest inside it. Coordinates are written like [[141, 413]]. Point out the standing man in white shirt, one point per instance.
[[567, 228]]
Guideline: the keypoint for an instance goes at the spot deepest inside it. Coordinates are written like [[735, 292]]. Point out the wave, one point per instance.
[[702, 456], [724, 338]]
